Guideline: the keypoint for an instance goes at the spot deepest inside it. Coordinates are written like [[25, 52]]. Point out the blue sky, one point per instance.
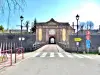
[[60, 10]]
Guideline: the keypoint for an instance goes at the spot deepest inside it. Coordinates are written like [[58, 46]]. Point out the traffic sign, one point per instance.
[[77, 44], [77, 39], [88, 37], [88, 43], [88, 33]]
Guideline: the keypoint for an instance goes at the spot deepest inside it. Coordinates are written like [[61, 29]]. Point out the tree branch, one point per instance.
[[11, 4]]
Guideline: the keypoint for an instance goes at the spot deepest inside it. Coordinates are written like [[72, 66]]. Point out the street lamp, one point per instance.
[[21, 18], [77, 18]]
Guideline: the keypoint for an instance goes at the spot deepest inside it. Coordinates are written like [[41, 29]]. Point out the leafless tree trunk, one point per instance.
[[11, 5]]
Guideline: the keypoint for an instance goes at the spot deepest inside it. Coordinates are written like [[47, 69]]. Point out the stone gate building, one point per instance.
[[53, 31]]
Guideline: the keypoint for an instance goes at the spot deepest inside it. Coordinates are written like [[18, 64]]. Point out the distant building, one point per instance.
[[13, 31], [53, 30]]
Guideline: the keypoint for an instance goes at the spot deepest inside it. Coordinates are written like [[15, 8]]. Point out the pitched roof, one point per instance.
[[52, 20]]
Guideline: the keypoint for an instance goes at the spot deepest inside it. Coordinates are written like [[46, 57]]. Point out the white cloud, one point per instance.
[[87, 11]]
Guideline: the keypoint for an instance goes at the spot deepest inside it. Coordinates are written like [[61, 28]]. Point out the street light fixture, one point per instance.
[[21, 18], [77, 18]]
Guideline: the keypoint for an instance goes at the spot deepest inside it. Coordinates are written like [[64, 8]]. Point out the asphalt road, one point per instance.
[[52, 60]]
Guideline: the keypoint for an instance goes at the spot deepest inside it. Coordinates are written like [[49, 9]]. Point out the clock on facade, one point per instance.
[[52, 32]]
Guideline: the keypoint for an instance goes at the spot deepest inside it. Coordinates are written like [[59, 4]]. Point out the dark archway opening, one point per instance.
[[52, 40]]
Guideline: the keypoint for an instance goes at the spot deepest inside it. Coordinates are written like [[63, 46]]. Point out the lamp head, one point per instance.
[[21, 18], [77, 17]]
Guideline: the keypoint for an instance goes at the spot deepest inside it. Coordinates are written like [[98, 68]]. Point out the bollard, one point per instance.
[[87, 50]]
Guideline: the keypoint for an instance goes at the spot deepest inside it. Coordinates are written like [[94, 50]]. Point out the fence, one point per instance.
[[11, 52], [6, 58], [19, 54], [15, 38], [6, 55], [70, 46]]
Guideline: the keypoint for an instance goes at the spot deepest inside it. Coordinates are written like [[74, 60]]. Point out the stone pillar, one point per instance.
[[57, 36], [36, 34], [44, 35], [47, 34], [60, 35]]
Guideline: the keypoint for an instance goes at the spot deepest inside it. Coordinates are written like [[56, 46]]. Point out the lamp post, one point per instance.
[[77, 18], [21, 18]]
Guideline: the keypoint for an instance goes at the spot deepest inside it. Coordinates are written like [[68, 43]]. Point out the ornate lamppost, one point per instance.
[[21, 18], [77, 18]]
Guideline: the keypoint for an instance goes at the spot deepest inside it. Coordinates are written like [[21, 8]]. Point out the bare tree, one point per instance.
[[11, 5], [82, 25], [90, 25], [33, 29], [27, 25]]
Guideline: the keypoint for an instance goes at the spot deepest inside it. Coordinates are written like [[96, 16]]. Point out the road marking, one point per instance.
[[78, 56], [69, 55], [36, 54], [52, 54], [44, 54], [87, 56], [60, 55]]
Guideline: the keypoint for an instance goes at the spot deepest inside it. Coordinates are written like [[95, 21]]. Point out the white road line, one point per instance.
[[36, 54], [60, 55], [44, 54], [78, 56], [52, 54], [69, 55], [87, 56]]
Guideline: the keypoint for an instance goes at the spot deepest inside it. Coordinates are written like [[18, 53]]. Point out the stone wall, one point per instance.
[[14, 38], [95, 43]]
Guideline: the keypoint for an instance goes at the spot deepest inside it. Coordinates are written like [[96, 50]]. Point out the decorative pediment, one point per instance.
[[52, 23]]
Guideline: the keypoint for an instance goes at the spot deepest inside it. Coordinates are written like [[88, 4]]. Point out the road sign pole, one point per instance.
[[77, 44], [88, 40], [87, 50]]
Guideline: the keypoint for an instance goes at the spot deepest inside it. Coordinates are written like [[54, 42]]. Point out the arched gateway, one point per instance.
[[53, 31], [52, 40]]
